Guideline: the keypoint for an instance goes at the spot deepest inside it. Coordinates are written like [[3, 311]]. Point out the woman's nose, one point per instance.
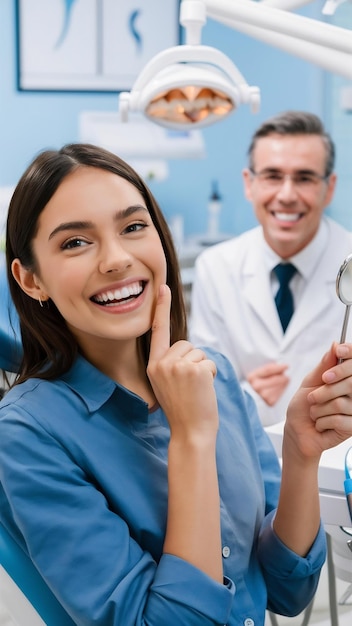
[[114, 258]]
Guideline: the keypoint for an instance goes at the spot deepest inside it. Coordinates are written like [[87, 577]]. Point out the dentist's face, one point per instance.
[[287, 189], [100, 258]]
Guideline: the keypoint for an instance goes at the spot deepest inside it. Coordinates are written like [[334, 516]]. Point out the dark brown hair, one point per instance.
[[49, 348]]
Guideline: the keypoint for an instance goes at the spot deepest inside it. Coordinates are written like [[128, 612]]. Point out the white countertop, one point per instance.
[[334, 509]]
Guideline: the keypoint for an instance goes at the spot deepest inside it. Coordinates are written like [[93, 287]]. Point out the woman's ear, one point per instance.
[[28, 281]]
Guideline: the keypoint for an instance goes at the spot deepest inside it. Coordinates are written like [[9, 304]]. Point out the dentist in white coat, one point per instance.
[[290, 181]]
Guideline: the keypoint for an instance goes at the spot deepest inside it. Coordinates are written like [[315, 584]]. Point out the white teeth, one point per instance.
[[134, 289], [287, 217], [124, 292]]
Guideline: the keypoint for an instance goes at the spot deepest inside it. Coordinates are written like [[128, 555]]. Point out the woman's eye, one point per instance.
[[133, 228], [76, 242]]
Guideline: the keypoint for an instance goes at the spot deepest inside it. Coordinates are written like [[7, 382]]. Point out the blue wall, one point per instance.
[[30, 122]]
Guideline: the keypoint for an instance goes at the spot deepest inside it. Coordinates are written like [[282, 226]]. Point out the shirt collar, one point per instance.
[[94, 387], [306, 260]]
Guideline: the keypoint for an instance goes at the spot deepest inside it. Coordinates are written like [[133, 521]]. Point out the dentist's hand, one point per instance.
[[182, 377], [319, 416], [269, 381]]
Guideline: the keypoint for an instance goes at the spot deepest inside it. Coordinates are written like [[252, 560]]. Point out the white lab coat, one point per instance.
[[233, 311]]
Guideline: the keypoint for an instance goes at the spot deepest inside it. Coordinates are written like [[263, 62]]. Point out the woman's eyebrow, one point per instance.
[[79, 225], [130, 210], [88, 225]]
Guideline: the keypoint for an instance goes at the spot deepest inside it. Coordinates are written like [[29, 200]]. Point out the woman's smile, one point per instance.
[[121, 299], [116, 295]]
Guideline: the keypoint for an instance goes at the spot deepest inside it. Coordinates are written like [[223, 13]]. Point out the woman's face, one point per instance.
[[99, 258]]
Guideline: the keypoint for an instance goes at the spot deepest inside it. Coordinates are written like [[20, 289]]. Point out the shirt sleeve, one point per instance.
[[291, 579], [83, 550], [268, 459]]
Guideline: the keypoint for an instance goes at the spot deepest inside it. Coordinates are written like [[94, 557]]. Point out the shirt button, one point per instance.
[[248, 622], [225, 553]]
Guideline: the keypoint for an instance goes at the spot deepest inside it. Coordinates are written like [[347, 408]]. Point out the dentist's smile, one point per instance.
[[287, 217]]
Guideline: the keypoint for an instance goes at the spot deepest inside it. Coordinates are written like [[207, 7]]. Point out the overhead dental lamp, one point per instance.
[[193, 86]]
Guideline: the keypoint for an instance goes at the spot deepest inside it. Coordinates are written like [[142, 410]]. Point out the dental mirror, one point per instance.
[[344, 292]]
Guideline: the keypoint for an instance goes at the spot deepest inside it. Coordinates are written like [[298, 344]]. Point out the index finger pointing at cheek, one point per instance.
[[160, 339]]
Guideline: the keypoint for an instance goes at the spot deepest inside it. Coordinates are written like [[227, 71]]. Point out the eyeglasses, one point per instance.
[[304, 181]]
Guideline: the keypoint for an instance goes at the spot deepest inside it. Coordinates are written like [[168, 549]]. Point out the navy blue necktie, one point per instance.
[[284, 298]]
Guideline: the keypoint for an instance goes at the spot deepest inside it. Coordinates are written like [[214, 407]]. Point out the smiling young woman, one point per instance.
[[50, 179], [134, 471]]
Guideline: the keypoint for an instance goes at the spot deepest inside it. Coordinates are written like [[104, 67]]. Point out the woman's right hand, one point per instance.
[[182, 377]]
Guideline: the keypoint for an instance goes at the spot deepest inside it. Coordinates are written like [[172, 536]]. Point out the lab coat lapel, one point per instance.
[[257, 291], [317, 297]]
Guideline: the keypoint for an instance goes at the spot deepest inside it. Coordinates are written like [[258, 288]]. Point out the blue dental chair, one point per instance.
[[24, 596], [10, 345]]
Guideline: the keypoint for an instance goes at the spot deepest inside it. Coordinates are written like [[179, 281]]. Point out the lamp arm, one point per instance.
[[328, 59], [272, 19], [285, 5]]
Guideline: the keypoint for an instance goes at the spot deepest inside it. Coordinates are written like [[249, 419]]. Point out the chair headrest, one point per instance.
[[10, 336]]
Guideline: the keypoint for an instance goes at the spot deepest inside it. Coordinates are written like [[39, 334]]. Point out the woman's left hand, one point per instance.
[[319, 415]]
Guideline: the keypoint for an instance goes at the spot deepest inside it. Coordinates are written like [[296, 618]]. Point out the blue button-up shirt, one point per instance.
[[83, 489]]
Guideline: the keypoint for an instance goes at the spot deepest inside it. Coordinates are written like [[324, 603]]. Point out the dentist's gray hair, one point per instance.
[[295, 123]]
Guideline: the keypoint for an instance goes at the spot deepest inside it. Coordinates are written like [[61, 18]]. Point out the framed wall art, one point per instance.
[[90, 45]]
